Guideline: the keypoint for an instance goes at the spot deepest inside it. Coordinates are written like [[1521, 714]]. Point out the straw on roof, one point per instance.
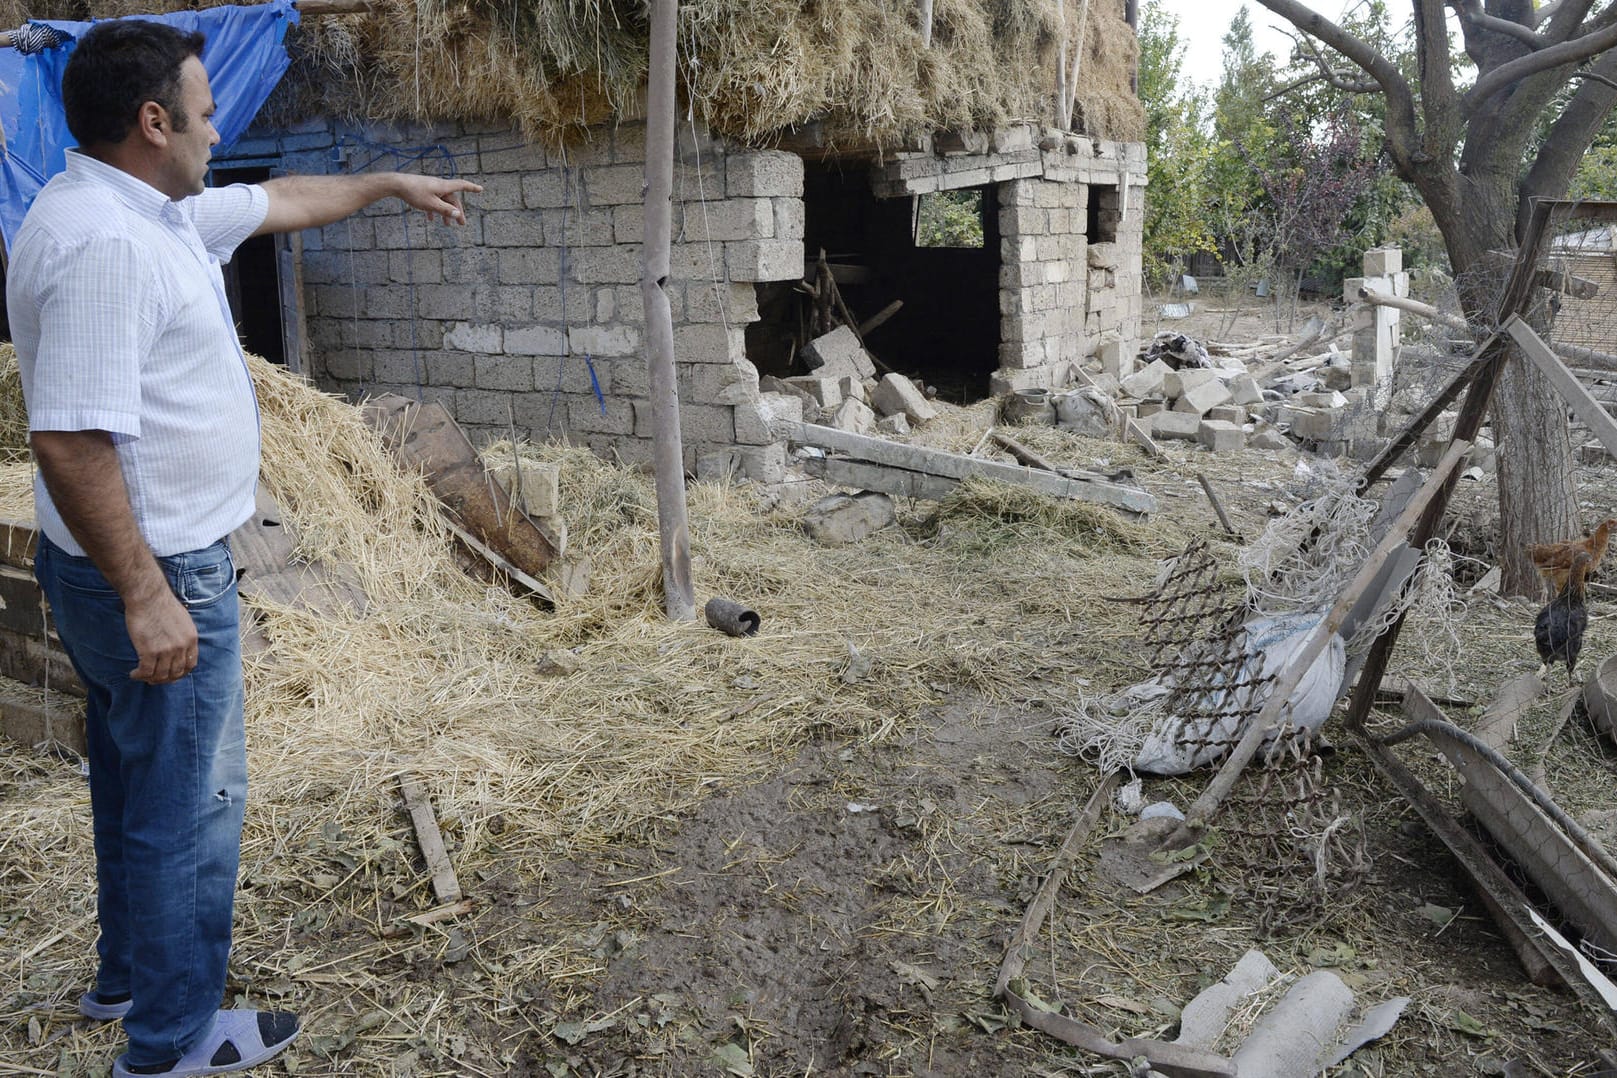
[[749, 67]]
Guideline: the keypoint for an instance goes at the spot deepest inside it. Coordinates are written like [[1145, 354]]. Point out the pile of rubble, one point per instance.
[[844, 392]]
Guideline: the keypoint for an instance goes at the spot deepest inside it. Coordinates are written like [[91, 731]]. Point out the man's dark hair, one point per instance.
[[118, 66]]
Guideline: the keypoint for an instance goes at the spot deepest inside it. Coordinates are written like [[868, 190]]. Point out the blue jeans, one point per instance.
[[168, 783]]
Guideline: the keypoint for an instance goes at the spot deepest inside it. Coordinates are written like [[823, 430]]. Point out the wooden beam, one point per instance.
[[445, 885], [425, 436], [1577, 397], [667, 452], [935, 464]]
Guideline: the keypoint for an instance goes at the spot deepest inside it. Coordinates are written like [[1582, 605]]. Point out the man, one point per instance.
[[144, 425]]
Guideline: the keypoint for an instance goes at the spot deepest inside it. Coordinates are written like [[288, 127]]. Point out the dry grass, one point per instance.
[[750, 67], [991, 595], [444, 677]]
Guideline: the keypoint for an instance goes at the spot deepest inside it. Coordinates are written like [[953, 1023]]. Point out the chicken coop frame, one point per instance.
[[1510, 806]]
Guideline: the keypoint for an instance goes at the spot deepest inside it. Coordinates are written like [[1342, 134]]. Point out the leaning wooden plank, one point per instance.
[[445, 887], [425, 436], [1565, 382], [500, 563], [936, 462], [1201, 811]]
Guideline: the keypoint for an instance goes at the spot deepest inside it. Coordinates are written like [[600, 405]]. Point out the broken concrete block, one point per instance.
[[895, 394], [1331, 399], [1175, 383], [1593, 453], [778, 409], [897, 423], [1105, 383], [1183, 425], [1147, 381], [825, 392], [1220, 436], [1383, 261], [534, 485], [837, 353], [840, 519], [853, 416], [1244, 390], [1149, 408], [1268, 438], [1116, 357], [853, 389], [1310, 423], [1228, 413], [1200, 399]]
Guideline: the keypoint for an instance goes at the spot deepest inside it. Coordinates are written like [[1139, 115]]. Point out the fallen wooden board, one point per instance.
[[425, 436], [1580, 888], [445, 886], [915, 471], [1497, 725]]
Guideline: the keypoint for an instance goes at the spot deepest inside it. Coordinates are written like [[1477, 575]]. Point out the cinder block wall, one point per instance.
[[1070, 277], [531, 313], [1070, 274]]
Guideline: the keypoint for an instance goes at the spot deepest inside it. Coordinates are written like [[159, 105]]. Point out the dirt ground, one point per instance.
[[846, 912]]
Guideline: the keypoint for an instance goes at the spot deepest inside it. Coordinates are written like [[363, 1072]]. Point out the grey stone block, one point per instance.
[[836, 354], [1202, 398], [1219, 436], [896, 394], [1181, 425]]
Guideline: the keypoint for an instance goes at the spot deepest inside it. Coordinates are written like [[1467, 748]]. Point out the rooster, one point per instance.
[[1558, 632], [1554, 560]]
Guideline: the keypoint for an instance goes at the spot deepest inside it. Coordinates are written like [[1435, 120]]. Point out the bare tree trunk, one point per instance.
[[679, 599], [1537, 501]]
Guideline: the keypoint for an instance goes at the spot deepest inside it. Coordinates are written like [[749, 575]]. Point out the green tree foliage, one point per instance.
[[949, 219], [1178, 150]]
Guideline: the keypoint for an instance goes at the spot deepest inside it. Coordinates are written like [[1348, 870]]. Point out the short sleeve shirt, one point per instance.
[[120, 321]]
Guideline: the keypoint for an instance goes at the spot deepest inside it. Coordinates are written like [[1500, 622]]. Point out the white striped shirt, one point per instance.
[[119, 316]]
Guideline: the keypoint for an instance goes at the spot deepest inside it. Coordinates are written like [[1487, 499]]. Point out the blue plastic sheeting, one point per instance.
[[245, 57]]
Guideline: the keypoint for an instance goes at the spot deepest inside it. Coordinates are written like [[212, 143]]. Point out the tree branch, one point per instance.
[[1400, 120], [1331, 78], [1471, 13], [1567, 52], [1569, 136]]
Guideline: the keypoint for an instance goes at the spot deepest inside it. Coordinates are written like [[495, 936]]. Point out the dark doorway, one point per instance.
[[947, 332], [251, 282]]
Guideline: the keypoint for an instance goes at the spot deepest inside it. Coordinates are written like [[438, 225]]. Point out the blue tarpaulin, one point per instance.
[[245, 57]]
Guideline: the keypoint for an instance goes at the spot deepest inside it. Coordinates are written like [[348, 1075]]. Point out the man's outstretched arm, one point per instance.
[[311, 201]]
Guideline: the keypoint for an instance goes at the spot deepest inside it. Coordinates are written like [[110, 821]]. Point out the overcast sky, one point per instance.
[[1203, 24]]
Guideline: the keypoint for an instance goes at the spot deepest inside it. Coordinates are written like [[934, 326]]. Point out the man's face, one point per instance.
[[188, 150]]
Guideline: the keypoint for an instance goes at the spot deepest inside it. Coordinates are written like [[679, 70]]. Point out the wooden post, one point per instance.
[[926, 24], [679, 598]]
